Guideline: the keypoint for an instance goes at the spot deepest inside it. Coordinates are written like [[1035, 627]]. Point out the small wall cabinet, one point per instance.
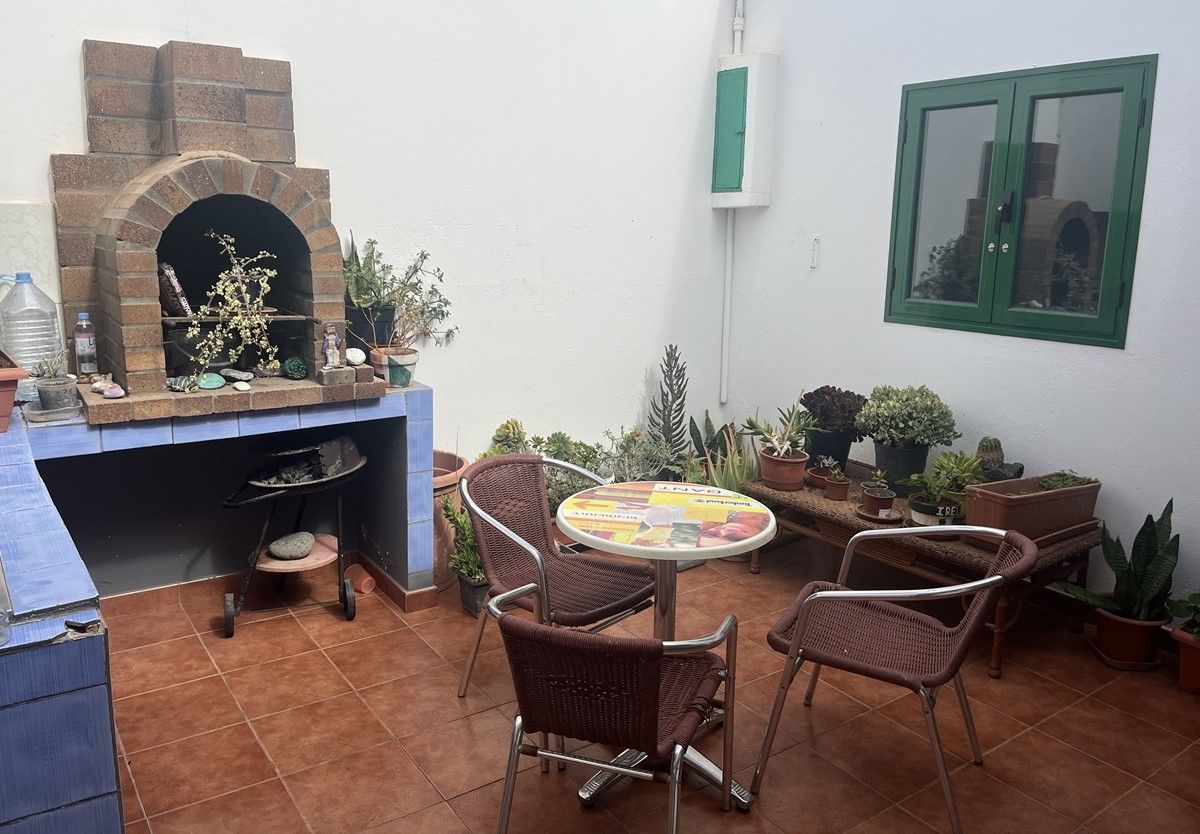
[[745, 129]]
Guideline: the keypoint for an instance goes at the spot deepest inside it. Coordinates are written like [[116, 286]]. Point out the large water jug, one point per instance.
[[29, 328]]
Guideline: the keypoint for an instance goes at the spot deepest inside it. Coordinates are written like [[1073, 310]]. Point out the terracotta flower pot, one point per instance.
[[447, 472], [10, 374], [1189, 659], [875, 501], [818, 476], [837, 490], [396, 365], [1124, 643], [785, 474]]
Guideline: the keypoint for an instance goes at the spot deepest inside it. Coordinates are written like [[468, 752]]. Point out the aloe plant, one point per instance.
[[1144, 577], [734, 467], [787, 439]]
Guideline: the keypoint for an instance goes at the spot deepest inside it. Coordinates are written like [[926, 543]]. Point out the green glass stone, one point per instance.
[[210, 381]]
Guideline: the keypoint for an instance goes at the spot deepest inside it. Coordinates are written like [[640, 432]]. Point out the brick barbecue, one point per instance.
[[182, 138]]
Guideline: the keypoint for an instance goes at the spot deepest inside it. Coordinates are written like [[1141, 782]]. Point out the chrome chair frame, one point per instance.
[[726, 633], [795, 656]]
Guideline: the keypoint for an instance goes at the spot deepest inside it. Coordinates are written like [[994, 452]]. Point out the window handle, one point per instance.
[[1003, 210]]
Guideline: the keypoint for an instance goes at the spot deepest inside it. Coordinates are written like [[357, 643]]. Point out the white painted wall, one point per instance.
[[1125, 416]]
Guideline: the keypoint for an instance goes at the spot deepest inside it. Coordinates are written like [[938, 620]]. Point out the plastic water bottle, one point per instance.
[[29, 328], [85, 345]]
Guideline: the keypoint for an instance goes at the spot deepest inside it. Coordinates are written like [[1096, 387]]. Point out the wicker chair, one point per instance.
[[638, 693], [506, 496], [864, 632]]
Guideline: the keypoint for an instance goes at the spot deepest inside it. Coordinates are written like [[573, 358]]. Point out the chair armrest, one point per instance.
[[578, 470], [544, 588], [727, 629], [902, 532], [497, 605]]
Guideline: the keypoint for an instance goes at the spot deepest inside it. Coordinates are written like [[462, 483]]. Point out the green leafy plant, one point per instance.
[[711, 441], [419, 308], [931, 485], [465, 559], [635, 455], [834, 409], [53, 366], [734, 467], [952, 274], [1189, 609], [561, 483], [666, 420], [960, 469], [1062, 479], [785, 440], [508, 439], [1144, 577], [836, 475], [880, 477], [905, 417]]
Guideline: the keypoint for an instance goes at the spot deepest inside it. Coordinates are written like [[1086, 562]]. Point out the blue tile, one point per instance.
[[138, 434], [420, 402], [98, 815], [420, 496], [14, 444], [208, 427], [329, 414], [32, 632], [64, 441], [420, 444], [391, 404], [19, 474], [265, 422], [16, 500], [51, 587], [420, 546], [52, 668]]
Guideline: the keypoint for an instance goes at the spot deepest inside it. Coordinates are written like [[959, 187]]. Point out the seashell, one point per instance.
[[114, 392]]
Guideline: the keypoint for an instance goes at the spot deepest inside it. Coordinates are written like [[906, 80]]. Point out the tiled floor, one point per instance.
[[304, 722]]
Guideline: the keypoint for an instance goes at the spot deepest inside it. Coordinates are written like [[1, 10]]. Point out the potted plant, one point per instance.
[[782, 458], [472, 582], [818, 475], [877, 480], [877, 497], [10, 374], [929, 503], [904, 423], [732, 467], [1187, 634], [412, 301], [960, 469], [835, 411], [1034, 506], [55, 389], [837, 485], [447, 472], [1128, 619]]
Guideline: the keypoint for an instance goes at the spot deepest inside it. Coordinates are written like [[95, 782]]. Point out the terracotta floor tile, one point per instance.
[[383, 657], [894, 820], [541, 803], [992, 725], [464, 754], [871, 692], [1146, 808], [986, 806], [128, 631], [315, 733], [256, 643], [1178, 776], [1057, 775], [755, 659], [492, 675], [199, 767], [729, 597], [700, 811], [328, 626], [309, 589], [1026, 696], [418, 702], [252, 810], [158, 665], [829, 708], [627, 801], [1062, 656], [801, 788], [749, 729], [205, 605], [436, 819], [893, 760], [175, 712], [360, 790], [284, 684], [1156, 699], [448, 602], [137, 602], [697, 577], [131, 806], [139, 827], [1115, 736], [452, 636]]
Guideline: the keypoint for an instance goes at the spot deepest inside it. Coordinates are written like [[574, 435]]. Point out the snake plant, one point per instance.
[[1144, 577]]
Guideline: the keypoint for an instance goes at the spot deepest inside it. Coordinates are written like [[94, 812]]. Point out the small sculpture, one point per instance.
[[332, 347]]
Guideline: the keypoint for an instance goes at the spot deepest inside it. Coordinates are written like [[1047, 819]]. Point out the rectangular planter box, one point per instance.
[[1036, 513], [10, 374]]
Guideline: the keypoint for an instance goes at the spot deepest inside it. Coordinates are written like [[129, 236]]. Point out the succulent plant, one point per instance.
[[710, 441], [1189, 609], [294, 368], [833, 408], [907, 417], [787, 439], [960, 469], [1062, 479], [665, 421], [990, 452]]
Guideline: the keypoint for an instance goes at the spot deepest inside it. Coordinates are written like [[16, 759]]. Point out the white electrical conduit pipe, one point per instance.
[[739, 25]]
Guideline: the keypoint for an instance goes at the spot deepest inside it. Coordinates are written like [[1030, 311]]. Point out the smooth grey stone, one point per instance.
[[292, 546], [235, 374]]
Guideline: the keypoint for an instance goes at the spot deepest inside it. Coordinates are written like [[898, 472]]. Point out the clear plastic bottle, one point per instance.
[[29, 328], [85, 345]]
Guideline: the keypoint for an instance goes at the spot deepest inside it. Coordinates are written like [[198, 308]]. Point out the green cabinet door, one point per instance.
[[729, 143]]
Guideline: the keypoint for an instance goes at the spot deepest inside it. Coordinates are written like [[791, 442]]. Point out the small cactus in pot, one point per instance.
[[990, 452]]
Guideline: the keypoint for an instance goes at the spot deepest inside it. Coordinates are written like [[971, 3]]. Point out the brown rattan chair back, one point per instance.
[[582, 685], [1014, 561], [511, 489]]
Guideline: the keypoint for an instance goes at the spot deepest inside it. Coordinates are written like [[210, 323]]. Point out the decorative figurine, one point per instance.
[[332, 347]]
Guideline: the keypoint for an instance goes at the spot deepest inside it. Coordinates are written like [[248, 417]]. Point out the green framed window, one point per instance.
[[1018, 200]]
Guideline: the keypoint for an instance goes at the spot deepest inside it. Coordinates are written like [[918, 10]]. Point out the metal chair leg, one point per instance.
[[510, 777], [813, 674], [928, 700], [785, 683], [466, 678], [968, 718], [728, 706], [562, 748], [674, 781], [544, 743]]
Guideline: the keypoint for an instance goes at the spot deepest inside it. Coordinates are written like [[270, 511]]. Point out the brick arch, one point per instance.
[[129, 333]]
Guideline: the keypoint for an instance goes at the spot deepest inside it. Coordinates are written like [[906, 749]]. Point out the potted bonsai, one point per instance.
[[55, 389], [877, 497], [10, 374], [1128, 619], [1035, 506], [781, 457], [930, 503], [904, 423], [837, 485], [1187, 634], [397, 311], [472, 582], [835, 411]]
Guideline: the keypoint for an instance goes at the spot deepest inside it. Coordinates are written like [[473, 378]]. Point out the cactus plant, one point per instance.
[[666, 412], [1144, 577], [990, 452], [294, 368]]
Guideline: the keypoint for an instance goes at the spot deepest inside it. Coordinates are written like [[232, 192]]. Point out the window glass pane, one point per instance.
[[1068, 190], [952, 202]]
